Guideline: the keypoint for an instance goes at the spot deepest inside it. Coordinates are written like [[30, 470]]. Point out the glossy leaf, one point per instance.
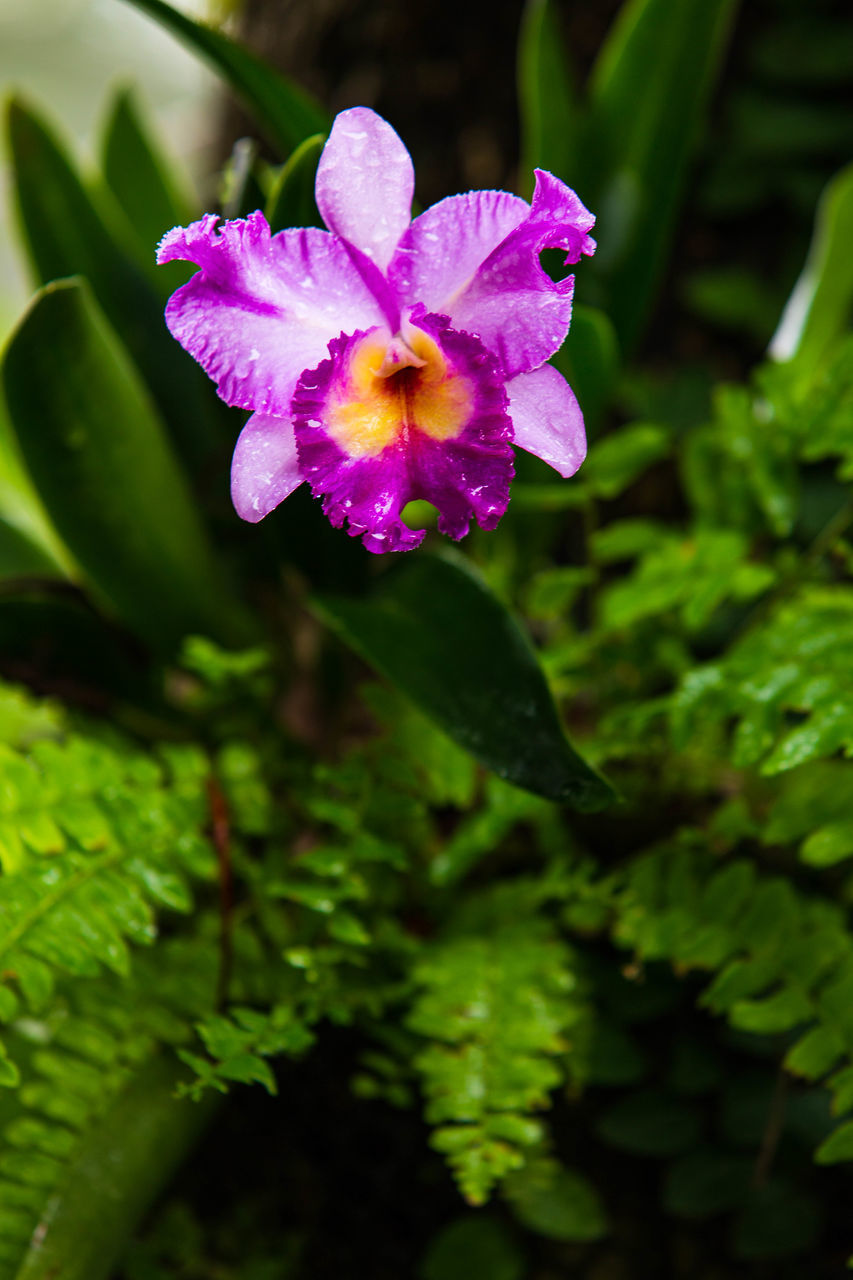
[[550, 121], [103, 467], [649, 90], [434, 629], [291, 200], [144, 185], [284, 112], [20, 557], [128, 1156], [67, 233], [20, 505], [819, 307]]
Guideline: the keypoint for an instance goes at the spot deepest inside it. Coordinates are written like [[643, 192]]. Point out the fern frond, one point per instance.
[[496, 1010], [782, 961], [93, 839], [788, 683]]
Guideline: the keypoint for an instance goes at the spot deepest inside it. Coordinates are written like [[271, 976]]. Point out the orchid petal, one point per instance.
[[447, 244], [265, 467], [547, 419], [367, 447], [262, 309], [365, 182], [514, 306]]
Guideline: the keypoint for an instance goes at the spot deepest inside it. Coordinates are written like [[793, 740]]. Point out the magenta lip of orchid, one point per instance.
[[387, 359]]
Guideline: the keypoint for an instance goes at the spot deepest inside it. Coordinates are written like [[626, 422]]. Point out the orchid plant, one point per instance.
[[538, 845]]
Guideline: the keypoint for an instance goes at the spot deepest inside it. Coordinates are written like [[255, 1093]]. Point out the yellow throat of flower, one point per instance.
[[388, 388]]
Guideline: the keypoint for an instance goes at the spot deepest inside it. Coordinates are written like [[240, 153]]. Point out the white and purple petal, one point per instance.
[[510, 302], [262, 308], [365, 183], [447, 244], [547, 419], [265, 467]]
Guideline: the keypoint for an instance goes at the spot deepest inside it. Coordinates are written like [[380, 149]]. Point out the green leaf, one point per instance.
[[615, 462], [815, 1053], [838, 1146], [66, 233], [21, 557], [291, 200], [777, 1220], [433, 628], [284, 112], [116, 496], [649, 90], [147, 190], [706, 1182], [555, 1202], [19, 503], [818, 310], [130, 1153], [779, 1012], [10, 1076], [550, 120], [649, 1123], [829, 844], [472, 1246]]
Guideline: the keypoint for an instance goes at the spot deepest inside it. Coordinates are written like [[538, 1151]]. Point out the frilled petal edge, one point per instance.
[[262, 308], [443, 434]]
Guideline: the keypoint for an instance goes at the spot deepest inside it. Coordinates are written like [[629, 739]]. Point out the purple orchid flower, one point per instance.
[[387, 359]]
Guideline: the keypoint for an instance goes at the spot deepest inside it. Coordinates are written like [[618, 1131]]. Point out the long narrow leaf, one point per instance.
[[101, 462], [648, 94], [65, 233], [434, 629], [819, 308], [284, 113], [144, 185], [550, 121]]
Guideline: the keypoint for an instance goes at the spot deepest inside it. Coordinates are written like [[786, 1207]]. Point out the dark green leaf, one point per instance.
[[650, 1124], [66, 233], [285, 113], [777, 1220], [649, 91], [432, 627], [104, 470], [550, 120], [472, 1246], [144, 186], [291, 200], [20, 557], [706, 1182]]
